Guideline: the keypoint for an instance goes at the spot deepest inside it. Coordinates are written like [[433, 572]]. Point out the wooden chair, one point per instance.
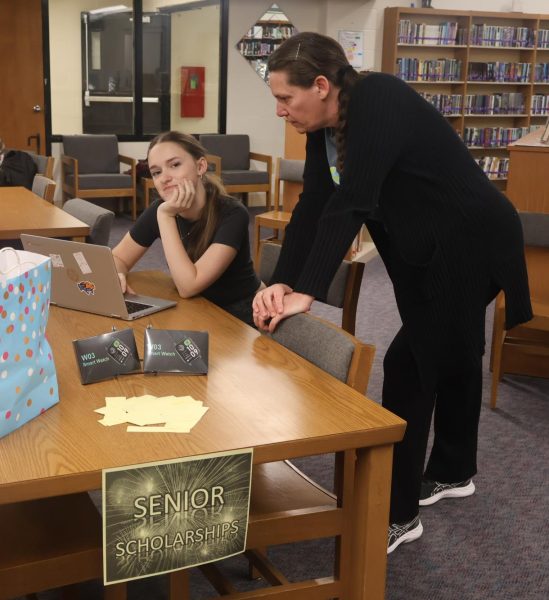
[[44, 187], [90, 168], [286, 505], [234, 156], [288, 173], [343, 291], [51, 543], [525, 349], [98, 218]]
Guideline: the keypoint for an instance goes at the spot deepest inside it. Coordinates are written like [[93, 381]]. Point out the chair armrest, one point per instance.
[[71, 162], [215, 160], [268, 160], [127, 160]]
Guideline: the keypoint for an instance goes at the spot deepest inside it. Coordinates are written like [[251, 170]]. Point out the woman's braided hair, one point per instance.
[[307, 55]]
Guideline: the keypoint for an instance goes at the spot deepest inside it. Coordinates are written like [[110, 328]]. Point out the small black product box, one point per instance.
[[107, 355], [176, 351]]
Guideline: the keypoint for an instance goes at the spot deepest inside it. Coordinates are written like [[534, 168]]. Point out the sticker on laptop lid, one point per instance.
[[86, 287], [82, 262], [56, 260]]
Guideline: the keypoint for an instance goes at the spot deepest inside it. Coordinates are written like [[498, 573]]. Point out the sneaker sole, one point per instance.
[[461, 492], [409, 536]]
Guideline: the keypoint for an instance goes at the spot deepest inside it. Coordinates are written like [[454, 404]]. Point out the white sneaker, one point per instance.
[[403, 533]]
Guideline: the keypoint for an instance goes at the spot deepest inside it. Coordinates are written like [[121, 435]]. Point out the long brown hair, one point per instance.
[[307, 55], [202, 232]]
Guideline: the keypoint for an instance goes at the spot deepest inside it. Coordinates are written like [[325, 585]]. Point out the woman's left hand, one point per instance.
[[180, 199], [293, 303]]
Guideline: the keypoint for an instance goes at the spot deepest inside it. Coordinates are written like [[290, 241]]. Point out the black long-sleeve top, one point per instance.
[[448, 237]]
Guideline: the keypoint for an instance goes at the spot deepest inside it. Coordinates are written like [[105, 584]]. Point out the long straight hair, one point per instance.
[[304, 57], [202, 232]]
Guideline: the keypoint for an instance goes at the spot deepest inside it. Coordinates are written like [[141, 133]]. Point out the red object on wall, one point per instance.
[[192, 91]]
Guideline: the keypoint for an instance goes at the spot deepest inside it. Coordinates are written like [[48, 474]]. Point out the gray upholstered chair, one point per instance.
[[288, 172], [525, 349], [280, 488], [44, 187], [231, 155], [343, 291], [90, 168], [98, 218], [44, 164]]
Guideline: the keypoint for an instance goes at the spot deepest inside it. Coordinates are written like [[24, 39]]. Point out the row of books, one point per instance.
[[541, 73], [415, 69], [495, 167], [253, 48], [451, 34], [494, 104], [447, 104], [543, 38], [443, 34], [493, 137], [502, 36], [499, 71], [276, 32], [540, 104]]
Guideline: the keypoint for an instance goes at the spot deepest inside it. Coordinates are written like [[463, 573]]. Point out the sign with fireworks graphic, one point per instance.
[[169, 515]]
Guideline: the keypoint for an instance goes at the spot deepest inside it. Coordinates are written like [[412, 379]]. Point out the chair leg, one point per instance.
[[118, 591], [497, 352], [134, 206], [257, 232], [179, 585]]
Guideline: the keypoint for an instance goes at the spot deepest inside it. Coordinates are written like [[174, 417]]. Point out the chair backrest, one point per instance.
[[535, 228], [234, 150], [328, 347], [98, 219], [95, 153], [44, 187], [287, 171], [44, 164], [343, 291]]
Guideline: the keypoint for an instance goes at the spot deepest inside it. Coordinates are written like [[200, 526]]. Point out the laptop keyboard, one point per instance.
[[134, 307]]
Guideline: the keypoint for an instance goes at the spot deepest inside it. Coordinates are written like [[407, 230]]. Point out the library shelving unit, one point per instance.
[[263, 38], [487, 72]]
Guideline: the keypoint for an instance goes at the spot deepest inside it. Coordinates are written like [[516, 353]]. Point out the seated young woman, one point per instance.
[[204, 232]]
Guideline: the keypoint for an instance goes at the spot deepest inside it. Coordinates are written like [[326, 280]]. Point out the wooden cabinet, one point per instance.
[[528, 185], [487, 72]]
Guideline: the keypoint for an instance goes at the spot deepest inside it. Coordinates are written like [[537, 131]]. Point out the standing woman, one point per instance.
[[380, 155], [204, 233]]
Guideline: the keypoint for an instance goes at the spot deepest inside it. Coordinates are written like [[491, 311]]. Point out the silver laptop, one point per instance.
[[84, 278]]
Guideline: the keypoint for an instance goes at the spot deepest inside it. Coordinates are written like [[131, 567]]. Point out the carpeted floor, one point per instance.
[[493, 545]]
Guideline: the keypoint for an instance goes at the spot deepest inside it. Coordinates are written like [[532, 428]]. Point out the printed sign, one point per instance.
[[170, 515]]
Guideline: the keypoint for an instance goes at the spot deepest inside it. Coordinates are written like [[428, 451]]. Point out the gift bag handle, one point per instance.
[[18, 265]]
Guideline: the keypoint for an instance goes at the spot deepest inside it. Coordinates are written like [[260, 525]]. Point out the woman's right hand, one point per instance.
[[124, 284]]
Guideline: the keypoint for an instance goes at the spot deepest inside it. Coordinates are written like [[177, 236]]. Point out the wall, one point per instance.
[[250, 106], [195, 41]]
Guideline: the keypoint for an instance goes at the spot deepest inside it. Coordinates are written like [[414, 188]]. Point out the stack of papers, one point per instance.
[[167, 414]]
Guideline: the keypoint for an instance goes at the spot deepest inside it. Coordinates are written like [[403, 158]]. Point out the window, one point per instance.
[[112, 74]]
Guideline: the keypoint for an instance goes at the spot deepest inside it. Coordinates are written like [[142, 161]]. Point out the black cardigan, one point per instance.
[[449, 239]]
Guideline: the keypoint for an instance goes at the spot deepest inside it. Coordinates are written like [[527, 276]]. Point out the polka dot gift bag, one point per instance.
[[28, 382]]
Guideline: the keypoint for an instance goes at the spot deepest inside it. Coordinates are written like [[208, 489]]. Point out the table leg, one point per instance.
[[371, 521], [78, 238]]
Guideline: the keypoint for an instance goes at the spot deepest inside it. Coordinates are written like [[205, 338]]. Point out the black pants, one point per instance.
[[456, 400]]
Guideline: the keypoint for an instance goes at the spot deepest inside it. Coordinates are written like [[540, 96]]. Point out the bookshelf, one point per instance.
[[486, 72], [263, 38]]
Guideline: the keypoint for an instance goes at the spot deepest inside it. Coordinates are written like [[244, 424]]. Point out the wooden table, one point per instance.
[[260, 395], [25, 212]]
